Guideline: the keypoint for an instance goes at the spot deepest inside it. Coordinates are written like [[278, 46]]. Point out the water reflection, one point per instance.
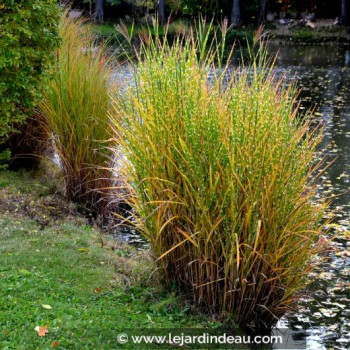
[[323, 76]]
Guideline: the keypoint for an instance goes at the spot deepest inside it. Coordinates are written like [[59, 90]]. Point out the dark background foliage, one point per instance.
[[218, 8]]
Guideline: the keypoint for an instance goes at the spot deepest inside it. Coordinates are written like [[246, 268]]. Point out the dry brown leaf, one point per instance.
[[41, 330]]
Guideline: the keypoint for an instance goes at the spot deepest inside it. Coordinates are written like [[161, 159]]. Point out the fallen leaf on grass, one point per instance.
[[41, 330], [55, 343], [97, 290], [46, 306]]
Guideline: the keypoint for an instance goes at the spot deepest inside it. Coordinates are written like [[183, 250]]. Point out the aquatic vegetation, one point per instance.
[[76, 109], [220, 179]]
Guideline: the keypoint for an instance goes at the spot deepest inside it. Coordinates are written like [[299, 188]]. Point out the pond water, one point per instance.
[[323, 76]]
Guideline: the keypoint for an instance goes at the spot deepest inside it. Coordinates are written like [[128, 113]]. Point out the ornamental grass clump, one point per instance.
[[76, 109], [219, 167]]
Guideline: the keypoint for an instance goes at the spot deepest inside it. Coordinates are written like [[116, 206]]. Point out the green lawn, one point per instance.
[[49, 256]]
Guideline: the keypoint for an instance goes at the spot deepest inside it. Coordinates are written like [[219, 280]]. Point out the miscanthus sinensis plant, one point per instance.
[[219, 167], [76, 107]]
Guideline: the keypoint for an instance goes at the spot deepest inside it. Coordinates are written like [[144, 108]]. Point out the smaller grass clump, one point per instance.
[[76, 109], [219, 167]]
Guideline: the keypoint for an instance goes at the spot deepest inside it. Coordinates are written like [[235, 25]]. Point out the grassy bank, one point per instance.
[[58, 271], [325, 36], [285, 34]]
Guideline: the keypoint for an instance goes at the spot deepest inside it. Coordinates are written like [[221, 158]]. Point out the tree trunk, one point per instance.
[[344, 12], [262, 12], [99, 12], [236, 14], [161, 11]]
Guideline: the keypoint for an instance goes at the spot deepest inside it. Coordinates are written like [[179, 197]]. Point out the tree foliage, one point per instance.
[[251, 11], [143, 3], [28, 39]]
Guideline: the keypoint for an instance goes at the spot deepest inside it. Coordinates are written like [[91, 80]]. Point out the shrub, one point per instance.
[[179, 27], [220, 180], [75, 107], [28, 144], [29, 37]]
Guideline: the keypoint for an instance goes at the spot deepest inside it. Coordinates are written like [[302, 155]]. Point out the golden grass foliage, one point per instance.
[[76, 108], [219, 165]]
